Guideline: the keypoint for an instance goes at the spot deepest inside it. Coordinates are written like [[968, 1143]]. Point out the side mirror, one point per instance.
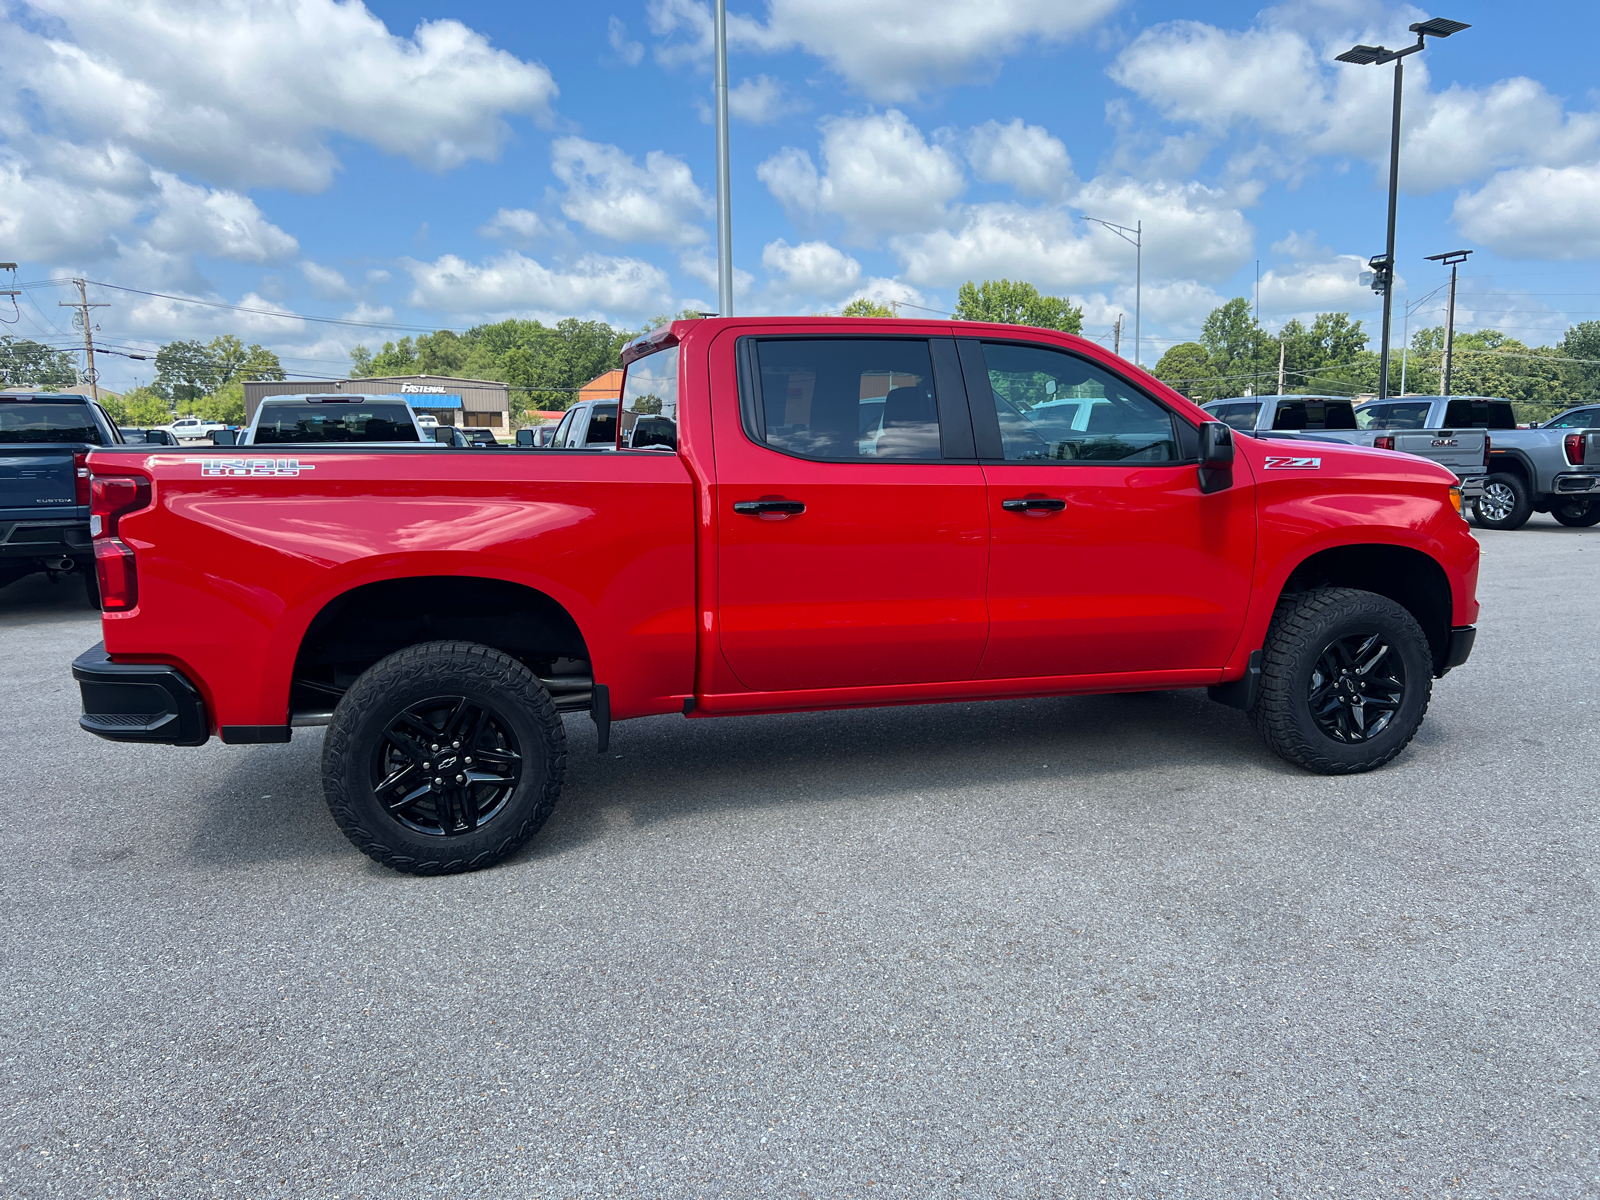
[[1216, 457], [445, 434], [525, 437], [224, 437]]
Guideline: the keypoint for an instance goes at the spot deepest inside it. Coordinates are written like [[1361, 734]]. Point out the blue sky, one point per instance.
[[430, 166]]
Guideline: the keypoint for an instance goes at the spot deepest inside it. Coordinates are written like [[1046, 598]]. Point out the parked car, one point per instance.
[[427, 422], [307, 420], [45, 439], [193, 429], [438, 612], [587, 425], [152, 437], [1549, 469], [1463, 452]]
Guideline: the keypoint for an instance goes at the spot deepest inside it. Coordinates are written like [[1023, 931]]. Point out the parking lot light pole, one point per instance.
[[724, 200], [1378, 55], [1452, 260], [1135, 236]]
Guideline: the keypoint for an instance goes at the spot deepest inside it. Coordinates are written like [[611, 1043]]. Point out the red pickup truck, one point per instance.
[[797, 513]]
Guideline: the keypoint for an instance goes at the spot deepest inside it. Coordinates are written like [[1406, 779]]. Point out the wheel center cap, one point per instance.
[[447, 762]]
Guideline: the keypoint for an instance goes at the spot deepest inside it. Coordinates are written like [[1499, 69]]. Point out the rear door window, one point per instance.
[[36, 421], [844, 399], [1241, 415], [602, 429], [1407, 414], [318, 422], [1583, 418], [1480, 414], [1056, 407]]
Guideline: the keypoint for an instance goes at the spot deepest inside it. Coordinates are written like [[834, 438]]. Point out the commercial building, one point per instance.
[[469, 403]]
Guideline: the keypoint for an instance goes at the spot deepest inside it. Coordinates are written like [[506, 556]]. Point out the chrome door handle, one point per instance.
[[760, 508], [1033, 504]]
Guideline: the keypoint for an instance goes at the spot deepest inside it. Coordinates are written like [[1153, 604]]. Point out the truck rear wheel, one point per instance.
[[1505, 503], [1579, 514], [1345, 681], [443, 757]]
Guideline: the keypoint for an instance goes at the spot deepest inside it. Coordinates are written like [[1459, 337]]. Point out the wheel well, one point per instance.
[[1408, 577], [1509, 464], [366, 624]]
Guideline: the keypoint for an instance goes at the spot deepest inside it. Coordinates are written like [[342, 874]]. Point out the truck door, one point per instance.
[[1105, 556], [852, 536]]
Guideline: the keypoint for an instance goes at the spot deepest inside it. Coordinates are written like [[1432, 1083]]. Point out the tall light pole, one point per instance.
[[1452, 260], [1135, 237], [724, 200], [1384, 270]]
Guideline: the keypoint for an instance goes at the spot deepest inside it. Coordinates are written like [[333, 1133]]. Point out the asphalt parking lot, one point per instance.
[[1085, 947]]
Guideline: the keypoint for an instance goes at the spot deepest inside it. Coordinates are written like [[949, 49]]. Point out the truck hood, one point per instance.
[[1337, 460]]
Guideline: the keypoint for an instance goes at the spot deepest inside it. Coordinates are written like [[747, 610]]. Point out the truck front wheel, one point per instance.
[[1505, 503], [443, 757], [1579, 514], [1345, 681]]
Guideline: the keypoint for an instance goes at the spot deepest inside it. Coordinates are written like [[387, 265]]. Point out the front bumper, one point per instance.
[[139, 702], [1460, 648]]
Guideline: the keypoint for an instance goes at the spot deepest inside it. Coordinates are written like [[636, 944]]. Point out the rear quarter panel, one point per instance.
[[233, 567]]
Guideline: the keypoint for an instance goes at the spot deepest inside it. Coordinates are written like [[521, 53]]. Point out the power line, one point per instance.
[[283, 314]]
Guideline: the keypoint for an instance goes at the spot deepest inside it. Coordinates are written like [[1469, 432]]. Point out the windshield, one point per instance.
[[47, 421], [650, 402], [357, 421]]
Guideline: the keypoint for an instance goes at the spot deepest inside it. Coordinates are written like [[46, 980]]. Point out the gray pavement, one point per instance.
[[1086, 947]]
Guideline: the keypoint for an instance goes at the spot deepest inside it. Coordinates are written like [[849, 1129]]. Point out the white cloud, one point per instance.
[[609, 194], [1024, 156], [326, 282], [879, 174], [1189, 229], [168, 319], [519, 226], [369, 312], [1536, 212], [891, 50], [254, 93], [628, 51], [378, 275], [1274, 78], [56, 219], [514, 283], [697, 264], [760, 101], [814, 268], [1044, 246], [206, 221]]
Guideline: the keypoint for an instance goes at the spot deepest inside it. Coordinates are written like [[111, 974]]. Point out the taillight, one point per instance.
[[1574, 445], [111, 497], [80, 473], [1383, 442], [1488, 445]]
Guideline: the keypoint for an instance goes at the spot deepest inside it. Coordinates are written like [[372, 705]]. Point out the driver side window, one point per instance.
[[1056, 407]]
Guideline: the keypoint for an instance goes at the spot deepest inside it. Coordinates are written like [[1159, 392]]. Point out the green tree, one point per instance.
[[184, 371], [1582, 341], [863, 307], [139, 407], [1187, 368], [1017, 303], [226, 404], [28, 364], [234, 360], [396, 358]]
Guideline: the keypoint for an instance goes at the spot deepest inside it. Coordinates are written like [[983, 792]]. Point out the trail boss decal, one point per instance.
[[1283, 462], [254, 467]]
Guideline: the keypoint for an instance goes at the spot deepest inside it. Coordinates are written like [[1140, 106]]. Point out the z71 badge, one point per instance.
[[252, 467], [1287, 463]]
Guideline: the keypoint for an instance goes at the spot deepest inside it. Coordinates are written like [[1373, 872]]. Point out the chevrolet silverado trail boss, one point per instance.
[[854, 513]]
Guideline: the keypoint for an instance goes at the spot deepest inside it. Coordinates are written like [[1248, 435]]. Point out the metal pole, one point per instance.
[[83, 306], [1280, 364], [1449, 336], [724, 214], [1138, 289], [1394, 200]]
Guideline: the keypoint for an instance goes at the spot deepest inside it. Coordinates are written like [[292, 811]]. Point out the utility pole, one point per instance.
[[1116, 337], [83, 306], [1280, 364], [1452, 260]]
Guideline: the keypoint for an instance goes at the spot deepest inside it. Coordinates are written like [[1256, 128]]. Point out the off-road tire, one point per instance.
[[1577, 514], [1510, 506], [410, 677], [1303, 627]]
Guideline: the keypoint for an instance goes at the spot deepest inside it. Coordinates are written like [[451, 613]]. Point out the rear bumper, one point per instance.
[[1471, 486], [139, 702], [1460, 649], [1579, 484], [37, 537]]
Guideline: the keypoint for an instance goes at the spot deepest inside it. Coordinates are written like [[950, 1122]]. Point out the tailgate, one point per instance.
[[36, 479], [1459, 449]]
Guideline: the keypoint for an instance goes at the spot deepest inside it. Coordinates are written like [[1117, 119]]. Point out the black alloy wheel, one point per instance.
[[443, 757], [1577, 514], [1357, 687], [446, 766]]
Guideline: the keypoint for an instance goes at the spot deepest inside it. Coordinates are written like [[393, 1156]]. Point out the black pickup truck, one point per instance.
[[45, 440]]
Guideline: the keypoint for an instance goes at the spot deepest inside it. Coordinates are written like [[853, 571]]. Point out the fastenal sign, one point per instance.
[[427, 389]]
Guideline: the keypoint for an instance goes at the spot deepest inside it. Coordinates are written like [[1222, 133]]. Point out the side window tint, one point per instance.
[[1241, 416], [1056, 407], [1412, 415], [602, 429], [559, 438], [848, 399]]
